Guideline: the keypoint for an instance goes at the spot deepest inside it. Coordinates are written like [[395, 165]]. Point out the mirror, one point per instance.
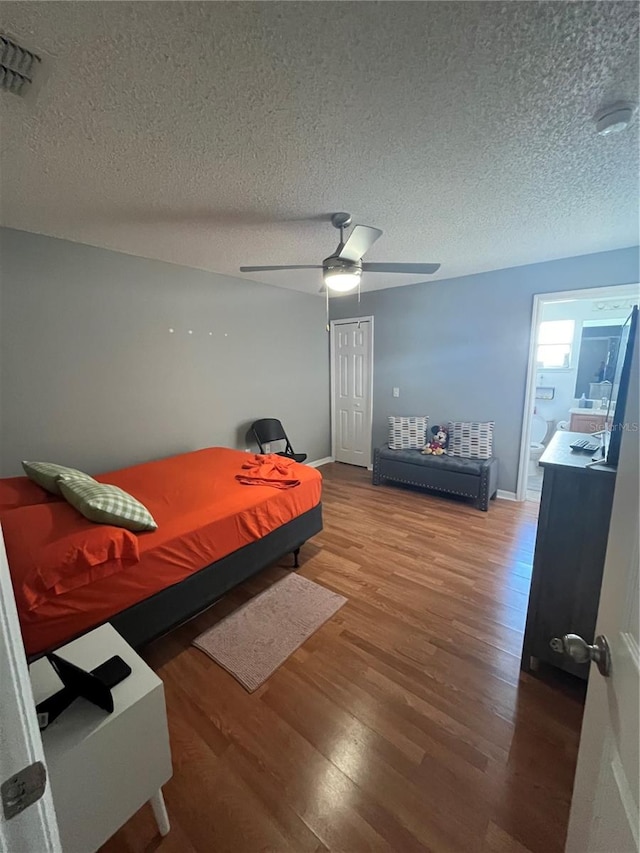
[[597, 359]]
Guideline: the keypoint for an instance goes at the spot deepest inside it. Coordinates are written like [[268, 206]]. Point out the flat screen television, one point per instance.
[[620, 387]]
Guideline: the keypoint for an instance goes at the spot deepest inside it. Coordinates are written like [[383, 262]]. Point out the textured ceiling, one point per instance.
[[220, 134]]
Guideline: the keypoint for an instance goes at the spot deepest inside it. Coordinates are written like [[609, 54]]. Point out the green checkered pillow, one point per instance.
[[46, 474], [106, 504]]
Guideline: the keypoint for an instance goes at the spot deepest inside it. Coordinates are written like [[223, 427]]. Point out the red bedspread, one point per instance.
[[203, 514]]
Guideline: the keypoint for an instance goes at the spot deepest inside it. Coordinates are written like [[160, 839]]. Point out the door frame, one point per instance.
[[332, 374], [539, 299], [36, 825]]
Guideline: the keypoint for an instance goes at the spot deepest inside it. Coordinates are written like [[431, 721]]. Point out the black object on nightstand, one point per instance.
[[94, 686], [112, 671]]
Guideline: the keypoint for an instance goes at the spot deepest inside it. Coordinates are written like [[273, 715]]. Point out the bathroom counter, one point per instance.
[[600, 412]]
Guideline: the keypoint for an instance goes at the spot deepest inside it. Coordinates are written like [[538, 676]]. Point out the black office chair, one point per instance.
[[267, 430]]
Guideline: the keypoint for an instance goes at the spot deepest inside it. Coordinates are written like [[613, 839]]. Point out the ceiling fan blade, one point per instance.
[[415, 269], [359, 241], [290, 267]]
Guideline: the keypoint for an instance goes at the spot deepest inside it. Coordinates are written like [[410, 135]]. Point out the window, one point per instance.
[[555, 338]]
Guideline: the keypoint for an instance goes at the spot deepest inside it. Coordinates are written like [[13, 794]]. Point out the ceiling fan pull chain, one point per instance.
[[326, 290]]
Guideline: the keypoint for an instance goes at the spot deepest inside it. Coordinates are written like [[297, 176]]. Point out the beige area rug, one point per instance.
[[253, 641]]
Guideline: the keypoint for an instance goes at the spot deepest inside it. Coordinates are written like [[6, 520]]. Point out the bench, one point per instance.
[[455, 475]]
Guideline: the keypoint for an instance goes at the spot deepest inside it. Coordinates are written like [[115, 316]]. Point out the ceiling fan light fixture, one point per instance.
[[341, 280], [340, 274], [614, 118]]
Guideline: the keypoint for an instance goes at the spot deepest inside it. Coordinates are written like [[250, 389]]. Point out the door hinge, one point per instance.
[[23, 789]]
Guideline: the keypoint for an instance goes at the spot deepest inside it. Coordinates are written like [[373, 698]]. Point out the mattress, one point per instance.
[[203, 514]]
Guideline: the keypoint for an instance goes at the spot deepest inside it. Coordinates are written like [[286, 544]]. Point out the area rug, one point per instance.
[[253, 641]]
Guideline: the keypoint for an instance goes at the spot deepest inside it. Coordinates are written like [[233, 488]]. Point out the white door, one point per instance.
[[35, 828], [604, 811], [351, 382]]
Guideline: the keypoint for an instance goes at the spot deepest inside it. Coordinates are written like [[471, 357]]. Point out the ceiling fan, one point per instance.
[[342, 270]]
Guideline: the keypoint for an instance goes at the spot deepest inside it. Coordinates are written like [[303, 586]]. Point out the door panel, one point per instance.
[[358, 377], [351, 362], [604, 811], [344, 377], [358, 428], [343, 432]]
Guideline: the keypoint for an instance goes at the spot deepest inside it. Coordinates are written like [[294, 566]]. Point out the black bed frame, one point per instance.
[[149, 619]]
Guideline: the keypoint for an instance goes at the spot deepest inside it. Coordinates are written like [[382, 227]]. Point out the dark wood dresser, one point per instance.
[[571, 544]]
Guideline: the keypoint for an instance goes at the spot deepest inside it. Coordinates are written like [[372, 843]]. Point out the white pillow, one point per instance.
[[408, 433], [471, 439]]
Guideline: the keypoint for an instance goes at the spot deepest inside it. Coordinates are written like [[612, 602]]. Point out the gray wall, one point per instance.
[[458, 348], [91, 376]]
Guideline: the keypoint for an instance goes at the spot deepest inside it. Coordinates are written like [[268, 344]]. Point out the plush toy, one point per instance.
[[438, 443]]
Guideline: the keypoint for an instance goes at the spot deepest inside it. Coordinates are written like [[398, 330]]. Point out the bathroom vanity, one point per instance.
[[589, 420], [571, 543]]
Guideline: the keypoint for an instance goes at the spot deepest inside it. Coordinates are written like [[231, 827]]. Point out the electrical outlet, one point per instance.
[[267, 448], [396, 392]]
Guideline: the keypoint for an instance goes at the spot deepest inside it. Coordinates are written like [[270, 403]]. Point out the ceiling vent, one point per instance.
[[17, 66]]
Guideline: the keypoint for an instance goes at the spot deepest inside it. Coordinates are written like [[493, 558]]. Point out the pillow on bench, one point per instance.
[[471, 439], [408, 433]]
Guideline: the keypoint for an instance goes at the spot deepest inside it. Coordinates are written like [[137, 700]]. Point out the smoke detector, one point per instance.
[[17, 67], [614, 118]]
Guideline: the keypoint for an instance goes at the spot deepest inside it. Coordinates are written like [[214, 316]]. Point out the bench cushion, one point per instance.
[[444, 463], [454, 475]]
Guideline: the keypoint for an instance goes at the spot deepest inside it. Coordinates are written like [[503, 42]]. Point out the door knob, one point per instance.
[[581, 652]]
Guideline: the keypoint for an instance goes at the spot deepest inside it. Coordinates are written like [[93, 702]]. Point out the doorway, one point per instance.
[[573, 348], [352, 390]]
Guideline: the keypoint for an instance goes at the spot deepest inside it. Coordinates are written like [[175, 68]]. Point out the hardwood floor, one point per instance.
[[403, 724]]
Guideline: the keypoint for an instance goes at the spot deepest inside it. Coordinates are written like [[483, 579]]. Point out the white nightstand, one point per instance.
[[104, 767]]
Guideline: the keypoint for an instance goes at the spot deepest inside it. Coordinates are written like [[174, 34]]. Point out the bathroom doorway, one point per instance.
[[573, 348]]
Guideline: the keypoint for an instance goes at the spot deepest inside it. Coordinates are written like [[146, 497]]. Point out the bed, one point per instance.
[[213, 533]]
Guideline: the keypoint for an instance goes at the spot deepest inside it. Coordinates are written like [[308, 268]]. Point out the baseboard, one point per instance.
[[318, 462], [506, 496]]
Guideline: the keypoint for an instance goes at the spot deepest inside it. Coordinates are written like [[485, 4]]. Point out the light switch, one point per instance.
[[396, 392]]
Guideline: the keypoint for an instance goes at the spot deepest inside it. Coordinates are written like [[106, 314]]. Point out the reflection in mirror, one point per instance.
[[597, 360]]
